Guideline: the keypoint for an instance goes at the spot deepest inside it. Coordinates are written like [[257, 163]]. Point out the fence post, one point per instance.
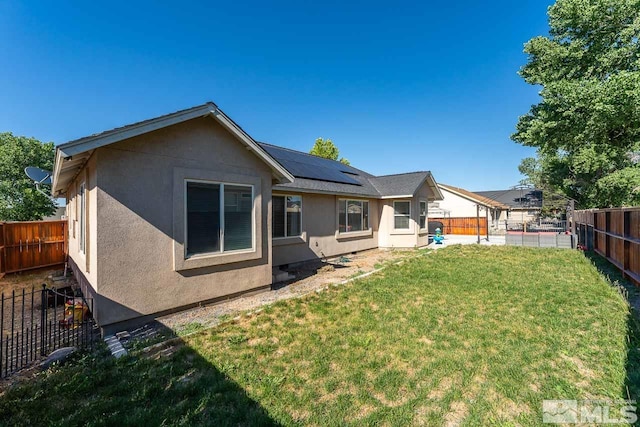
[[43, 317]]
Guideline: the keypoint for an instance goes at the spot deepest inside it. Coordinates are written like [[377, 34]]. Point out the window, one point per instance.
[[401, 215], [353, 215], [423, 215], [212, 229], [287, 216], [82, 217]]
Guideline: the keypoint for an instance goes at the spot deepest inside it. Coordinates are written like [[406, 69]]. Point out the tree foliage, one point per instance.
[[587, 126], [327, 149], [19, 199]]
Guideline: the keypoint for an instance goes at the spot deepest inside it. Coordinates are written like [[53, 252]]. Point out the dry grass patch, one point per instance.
[[464, 336]]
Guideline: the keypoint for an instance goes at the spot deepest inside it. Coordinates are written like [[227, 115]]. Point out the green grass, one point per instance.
[[470, 334]]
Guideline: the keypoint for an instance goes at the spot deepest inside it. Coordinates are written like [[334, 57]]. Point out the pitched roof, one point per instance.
[[474, 197], [516, 198], [402, 184], [71, 156], [293, 169], [319, 175]]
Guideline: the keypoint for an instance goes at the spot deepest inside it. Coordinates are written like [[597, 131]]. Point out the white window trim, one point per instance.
[[426, 215], [82, 227], [401, 215], [285, 217], [364, 231], [221, 252]]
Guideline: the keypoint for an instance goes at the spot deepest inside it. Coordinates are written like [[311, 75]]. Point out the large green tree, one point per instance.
[[327, 149], [587, 126], [19, 199]]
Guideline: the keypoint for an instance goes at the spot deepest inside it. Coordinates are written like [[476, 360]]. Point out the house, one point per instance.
[[460, 203], [524, 204], [187, 208]]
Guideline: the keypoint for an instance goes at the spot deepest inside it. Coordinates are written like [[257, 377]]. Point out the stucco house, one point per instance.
[[187, 208], [461, 203], [524, 205]]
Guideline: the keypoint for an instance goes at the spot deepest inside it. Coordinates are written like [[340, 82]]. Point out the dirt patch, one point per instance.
[[441, 389], [309, 277], [586, 373], [27, 280], [457, 413]]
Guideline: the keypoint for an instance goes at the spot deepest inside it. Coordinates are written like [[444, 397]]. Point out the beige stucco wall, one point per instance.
[[87, 262], [136, 226], [319, 238], [389, 237], [458, 206]]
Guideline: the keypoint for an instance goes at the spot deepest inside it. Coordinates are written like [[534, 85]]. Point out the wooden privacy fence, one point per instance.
[[613, 234], [463, 226], [32, 244]]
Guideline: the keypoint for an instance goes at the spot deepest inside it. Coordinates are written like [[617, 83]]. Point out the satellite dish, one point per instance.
[[39, 176]]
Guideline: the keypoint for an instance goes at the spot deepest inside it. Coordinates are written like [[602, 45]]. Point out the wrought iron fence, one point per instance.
[[537, 225], [35, 322]]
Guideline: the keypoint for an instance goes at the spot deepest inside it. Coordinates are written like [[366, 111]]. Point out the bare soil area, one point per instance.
[[307, 278]]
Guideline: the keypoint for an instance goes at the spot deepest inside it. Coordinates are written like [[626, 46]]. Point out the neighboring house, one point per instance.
[[524, 204], [460, 203], [59, 214], [187, 208]]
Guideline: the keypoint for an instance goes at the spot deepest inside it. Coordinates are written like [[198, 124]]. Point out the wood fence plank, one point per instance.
[[615, 236], [462, 226], [33, 244]]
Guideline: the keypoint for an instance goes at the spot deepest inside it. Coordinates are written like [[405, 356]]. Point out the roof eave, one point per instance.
[[90, 143]]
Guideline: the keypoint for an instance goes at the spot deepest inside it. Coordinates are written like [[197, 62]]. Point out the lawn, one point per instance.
[[468, 334]]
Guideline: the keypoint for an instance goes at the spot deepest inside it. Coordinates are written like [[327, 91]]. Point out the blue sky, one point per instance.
[[398, 86]]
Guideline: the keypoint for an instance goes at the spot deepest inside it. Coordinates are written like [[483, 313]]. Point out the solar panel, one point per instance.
[[311, 167]]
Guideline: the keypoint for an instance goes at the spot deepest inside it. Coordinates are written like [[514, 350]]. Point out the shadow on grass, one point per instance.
[[169, 384], [306, 270], [632, 294]]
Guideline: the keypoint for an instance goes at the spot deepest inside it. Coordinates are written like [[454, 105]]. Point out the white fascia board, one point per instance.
[[464, 196], [399, 196], [100, 140]]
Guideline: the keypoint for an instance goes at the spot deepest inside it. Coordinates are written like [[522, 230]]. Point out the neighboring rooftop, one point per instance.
[[475, 197], [516, 198]]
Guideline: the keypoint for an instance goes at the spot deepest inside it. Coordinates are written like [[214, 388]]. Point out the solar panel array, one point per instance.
[[306, 166]]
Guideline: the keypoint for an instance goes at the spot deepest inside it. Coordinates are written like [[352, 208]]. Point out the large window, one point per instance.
[[82, 241], [212, 229], [287, 216], [423, 215], [353, 215], [401, 215]]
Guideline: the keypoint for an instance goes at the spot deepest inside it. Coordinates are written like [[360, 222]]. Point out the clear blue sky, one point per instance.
[[397, 86]]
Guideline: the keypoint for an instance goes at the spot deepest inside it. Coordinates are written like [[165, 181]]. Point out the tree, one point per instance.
[[587, 126], [553, 202], [19, 199], [327, 149]]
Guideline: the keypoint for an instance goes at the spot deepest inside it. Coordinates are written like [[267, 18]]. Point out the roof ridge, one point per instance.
[[403, 173]]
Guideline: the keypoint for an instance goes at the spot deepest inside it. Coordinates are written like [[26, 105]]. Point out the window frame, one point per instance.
[[221, 252], [286, 236], [395, 215], [346, 223], [426, 215]]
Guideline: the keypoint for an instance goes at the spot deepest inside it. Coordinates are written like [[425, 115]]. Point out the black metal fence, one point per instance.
[[34, 322], [537, 225]]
